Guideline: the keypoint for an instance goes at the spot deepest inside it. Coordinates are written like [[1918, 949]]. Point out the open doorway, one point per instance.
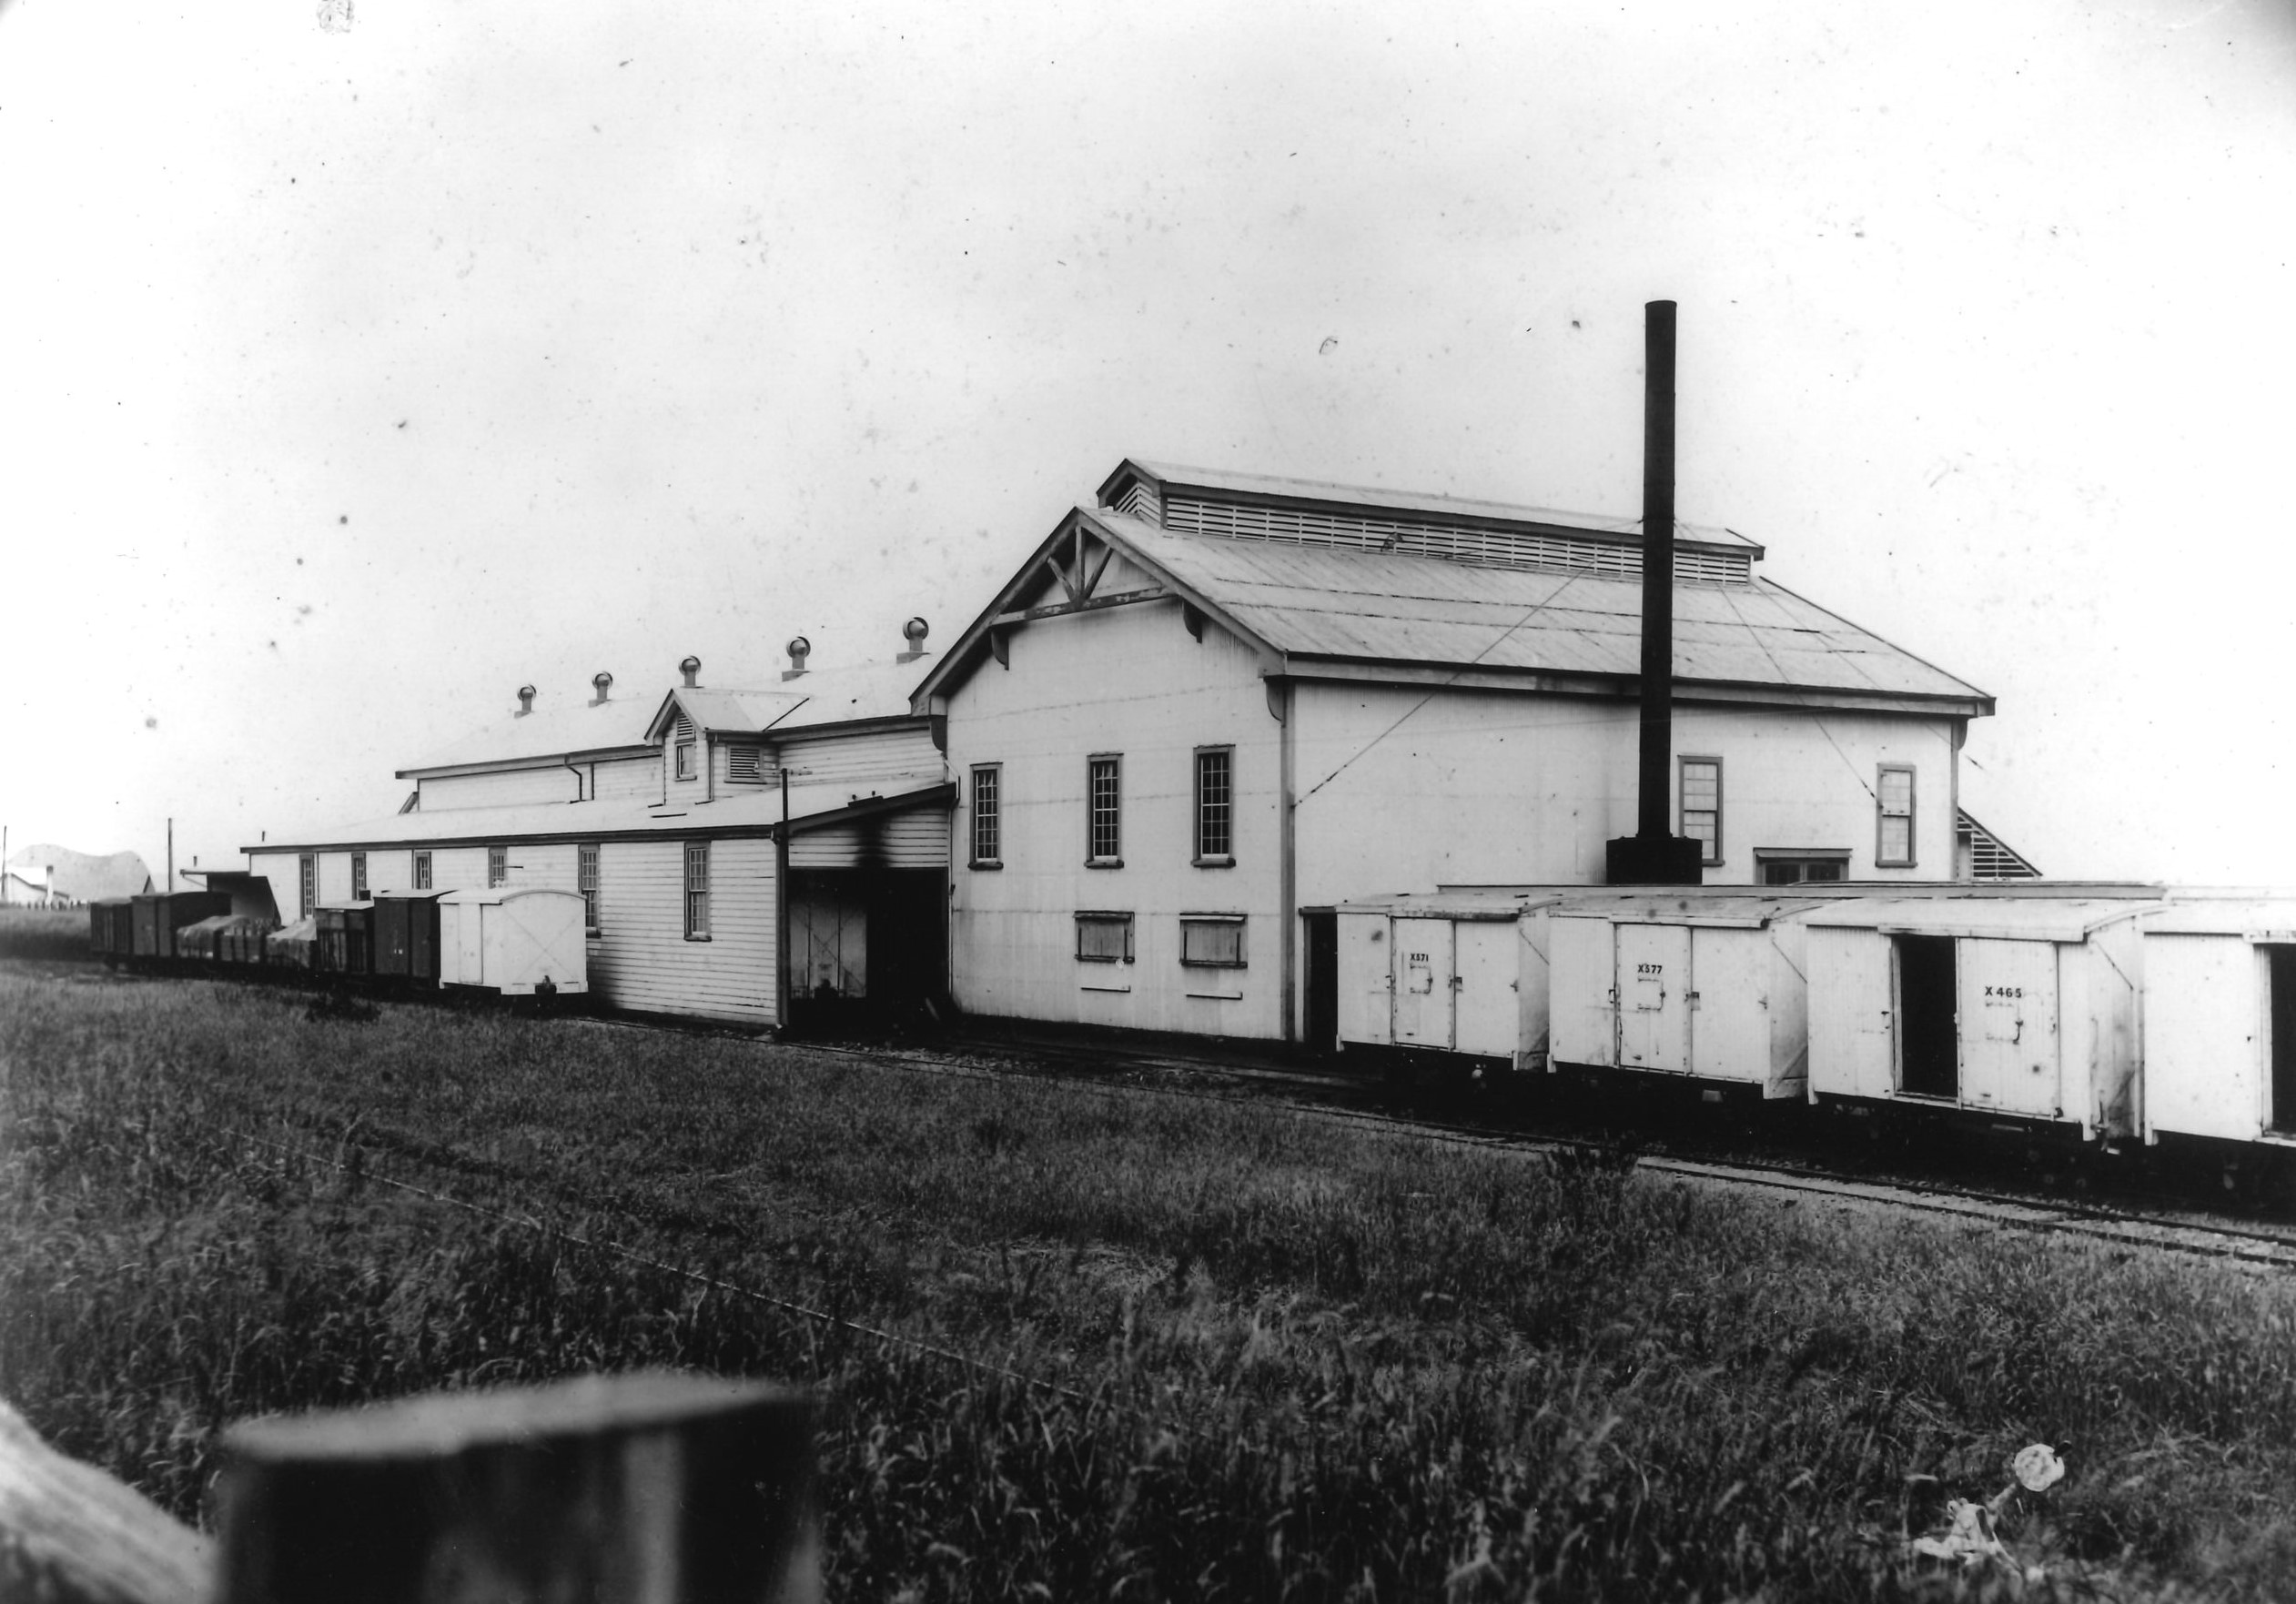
[[1928, 1039], [2281, 977]]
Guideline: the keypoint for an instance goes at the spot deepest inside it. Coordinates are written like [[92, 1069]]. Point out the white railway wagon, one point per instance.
[[2220, 1021], [1706, 986], [1459, 972], [2023, 1009], [515, 940]]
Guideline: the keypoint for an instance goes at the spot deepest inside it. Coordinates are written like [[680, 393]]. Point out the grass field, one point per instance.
[[1267, 1357]]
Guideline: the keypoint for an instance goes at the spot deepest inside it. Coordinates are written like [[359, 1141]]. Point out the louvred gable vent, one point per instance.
[[1481, 548], [745, 765], [1990, 857], [686, 727]]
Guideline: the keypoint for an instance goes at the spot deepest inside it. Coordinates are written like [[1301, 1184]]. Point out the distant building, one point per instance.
[[1213, 705], [54, 876], [739, 849]]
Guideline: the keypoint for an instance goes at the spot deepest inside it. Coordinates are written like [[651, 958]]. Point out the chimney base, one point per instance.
[[1654, 859]]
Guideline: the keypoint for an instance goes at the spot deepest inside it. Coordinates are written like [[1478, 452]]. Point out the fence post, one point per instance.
[[73, 1535], [643, 1488]]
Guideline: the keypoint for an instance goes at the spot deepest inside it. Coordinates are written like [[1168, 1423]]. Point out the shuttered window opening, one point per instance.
[[697, 891], [1140, 500], [1105, 823], [358, 877], [422, 871], [498, 866], [307, 875], [1482, 548], [586, 883], [1988, 856], [1895, 800], [745, 765], [685, 770], [987, 815], [1104, 938], [1702, 805], [1212, 940], [1215, 804]]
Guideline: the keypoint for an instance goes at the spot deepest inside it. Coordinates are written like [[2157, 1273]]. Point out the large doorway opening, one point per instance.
[[2281, 977], [1928, 1037], [1322, 1026]]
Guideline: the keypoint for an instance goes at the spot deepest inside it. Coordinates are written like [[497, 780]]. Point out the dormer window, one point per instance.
[[683, 749]]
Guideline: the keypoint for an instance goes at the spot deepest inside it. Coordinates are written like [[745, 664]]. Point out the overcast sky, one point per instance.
[[352, 377]]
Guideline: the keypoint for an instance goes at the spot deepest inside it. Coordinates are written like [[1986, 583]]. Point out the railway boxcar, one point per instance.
[[405, 937], [290, 947], [111, 929], [157, 915], [345, 943], [2025, 1009], [201, 942], [1457, 973], [2219, 1022], [239, 945], [515, 941], [1708, 987]]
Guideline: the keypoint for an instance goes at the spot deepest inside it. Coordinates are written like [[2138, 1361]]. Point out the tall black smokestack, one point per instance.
[[1651, 820], [1653, 854]]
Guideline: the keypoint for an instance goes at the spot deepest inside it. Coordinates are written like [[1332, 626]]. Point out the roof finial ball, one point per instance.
[[691, 668], [525, 699], [799, 649], [915, 632]]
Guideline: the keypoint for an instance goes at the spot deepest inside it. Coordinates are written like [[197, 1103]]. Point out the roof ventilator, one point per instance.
[[799, 649], [525, 699], [914, 632], [691, 668], [601, 682]]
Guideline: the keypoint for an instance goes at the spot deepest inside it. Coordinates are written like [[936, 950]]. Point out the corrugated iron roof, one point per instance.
[[1327, 602], [551, 730], [1302, 490], [748, 810]]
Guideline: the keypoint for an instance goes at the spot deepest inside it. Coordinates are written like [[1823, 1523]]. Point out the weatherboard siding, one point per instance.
[[880, 763], [640, 959], [915, 838], [1129, 681], [507, 788], [626, 779]]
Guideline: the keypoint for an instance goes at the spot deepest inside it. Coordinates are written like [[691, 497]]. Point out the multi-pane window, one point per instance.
[[697, 891], [358, 877], [422, 870], [988, 819], [1895, 799], [1104, 938], [586, 883], [1782, 870], [1212, 940], [1215, 804], [497, 865], [306, 876], [1104, 778], [685, 747], [1702, 805]]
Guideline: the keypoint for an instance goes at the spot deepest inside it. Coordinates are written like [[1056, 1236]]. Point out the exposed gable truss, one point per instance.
[[1083, 565]]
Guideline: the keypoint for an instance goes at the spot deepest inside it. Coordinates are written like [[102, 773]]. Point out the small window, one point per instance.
[[1702, 805], [685, 748], [1104, 938], [422, 870], [988, 815], [1212, 940], [586, 883], [358, 877], [306, 876], [1215, 805], [1786, 868], [745, 765], [498, 866], [1103, 820], [697, 891], [1895, 850]]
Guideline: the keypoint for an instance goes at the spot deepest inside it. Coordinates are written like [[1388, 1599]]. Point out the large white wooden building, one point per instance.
[[1211, 705], [741, 853]]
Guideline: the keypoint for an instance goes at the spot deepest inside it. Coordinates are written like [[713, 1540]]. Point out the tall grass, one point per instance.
[[1283, 1359]]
